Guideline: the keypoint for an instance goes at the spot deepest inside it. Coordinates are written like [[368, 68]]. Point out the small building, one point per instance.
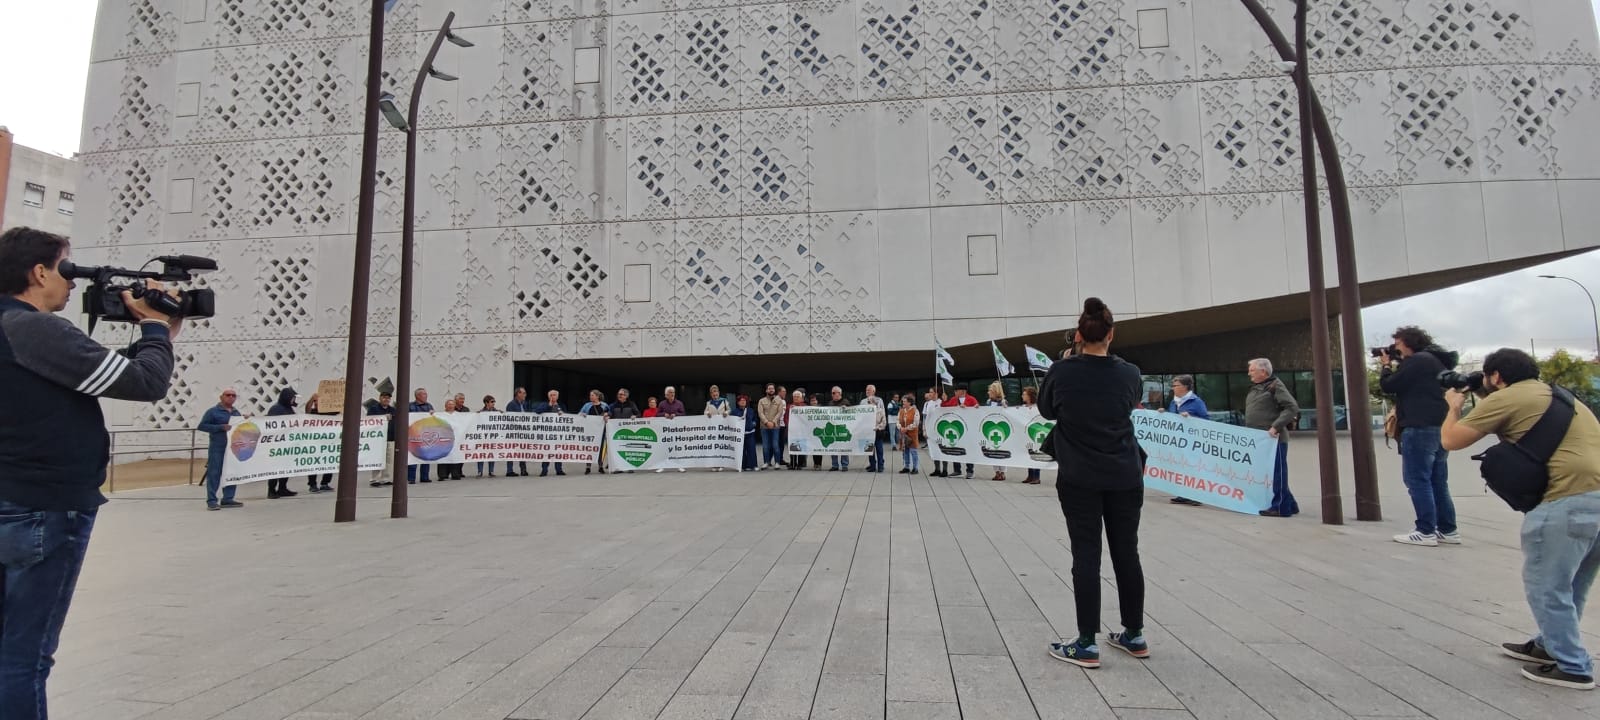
[[40, 188]]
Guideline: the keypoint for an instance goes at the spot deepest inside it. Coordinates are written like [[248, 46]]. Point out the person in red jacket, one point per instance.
[[962, 399]]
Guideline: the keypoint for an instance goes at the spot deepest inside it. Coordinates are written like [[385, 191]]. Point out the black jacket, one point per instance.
[[376, 408], [1092, 400], [285, 404], [53, 441], [1418, 399], [624, 410]]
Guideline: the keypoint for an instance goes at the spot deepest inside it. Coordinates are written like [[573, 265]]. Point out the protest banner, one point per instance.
[[1214, 463], [688, 441], [330, 397], [495, 437], [832, 430], [1006, 437], [288, 445]]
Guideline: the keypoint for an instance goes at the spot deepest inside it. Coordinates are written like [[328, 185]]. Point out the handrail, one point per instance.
[[111, 469]]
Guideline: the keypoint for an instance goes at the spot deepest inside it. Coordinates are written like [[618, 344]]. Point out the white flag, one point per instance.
[[942, 371], [1036, 358], [1001, 365], [943, 355]]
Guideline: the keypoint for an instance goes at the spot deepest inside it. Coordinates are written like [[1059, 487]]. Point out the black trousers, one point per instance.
[[1117, 511]]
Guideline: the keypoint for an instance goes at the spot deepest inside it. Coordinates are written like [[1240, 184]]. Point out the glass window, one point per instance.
[[33, 195], [65, 204]]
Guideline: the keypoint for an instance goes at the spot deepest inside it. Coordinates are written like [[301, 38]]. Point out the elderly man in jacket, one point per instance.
[[216, 423], [1271, 407]]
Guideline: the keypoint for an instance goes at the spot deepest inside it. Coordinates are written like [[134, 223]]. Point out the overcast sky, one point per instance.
[[47, 61]]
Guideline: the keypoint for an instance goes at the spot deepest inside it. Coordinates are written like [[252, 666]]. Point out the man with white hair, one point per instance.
[[1271, 407], [670, 408]]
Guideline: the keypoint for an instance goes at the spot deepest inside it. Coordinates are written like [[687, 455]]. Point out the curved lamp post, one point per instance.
[[1591, 307], [1352, 356], [344, 506], [407, 123]]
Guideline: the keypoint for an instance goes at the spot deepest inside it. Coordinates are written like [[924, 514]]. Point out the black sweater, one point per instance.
[[1418, 399], [1092, 398], [53, 441]]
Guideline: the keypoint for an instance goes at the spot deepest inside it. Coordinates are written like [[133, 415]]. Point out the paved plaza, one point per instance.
[[781, 595]]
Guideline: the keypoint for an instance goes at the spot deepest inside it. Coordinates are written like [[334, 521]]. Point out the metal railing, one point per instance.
[[111, 470]]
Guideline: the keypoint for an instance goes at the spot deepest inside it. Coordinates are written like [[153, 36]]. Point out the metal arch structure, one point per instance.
[[1368, 506]]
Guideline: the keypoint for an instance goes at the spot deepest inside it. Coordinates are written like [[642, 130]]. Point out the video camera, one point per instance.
[[1392, 351], [103, 298], [1467, 382]]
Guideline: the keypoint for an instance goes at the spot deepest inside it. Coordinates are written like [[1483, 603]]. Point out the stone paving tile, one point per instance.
[[708, 596], [848, 697]]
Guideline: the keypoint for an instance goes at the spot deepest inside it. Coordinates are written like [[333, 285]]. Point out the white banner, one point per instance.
[[493, 437], [287, 445], [832, 430], [687, 441], [1005, 437]]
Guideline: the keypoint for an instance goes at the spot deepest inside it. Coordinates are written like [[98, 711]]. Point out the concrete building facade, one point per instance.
[[649, 191], [40, 188]]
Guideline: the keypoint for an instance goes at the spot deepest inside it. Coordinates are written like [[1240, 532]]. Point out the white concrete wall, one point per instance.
[[795, 177], [57, 174]]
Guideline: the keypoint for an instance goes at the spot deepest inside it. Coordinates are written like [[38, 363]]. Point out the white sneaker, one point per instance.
[[1416, 538], [682, 470], [1449, 538]]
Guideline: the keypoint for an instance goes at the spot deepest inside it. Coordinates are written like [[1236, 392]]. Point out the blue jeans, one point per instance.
[[509, 468], [1282, 498], [1560, 556], [749, 456], [912, 457], [411, 473], [1427, 478], [875, 462], [214, 479], [544, 468], [770, 452], [841, 462], [41, 554]]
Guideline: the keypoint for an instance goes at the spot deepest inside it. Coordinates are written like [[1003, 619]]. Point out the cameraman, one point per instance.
[[1413, 381], [54, 449], [1561, 535]]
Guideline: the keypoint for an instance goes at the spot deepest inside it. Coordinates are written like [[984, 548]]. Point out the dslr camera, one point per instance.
[[1465, 382], [102, 300], [1392, 351]]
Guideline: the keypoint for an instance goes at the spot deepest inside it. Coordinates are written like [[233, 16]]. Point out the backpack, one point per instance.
[[1519, 472]]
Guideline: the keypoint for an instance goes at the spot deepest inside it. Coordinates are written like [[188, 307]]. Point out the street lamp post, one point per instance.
[[1322, 360], [399, 501], [1353, 357], [344, 507], [1591, 307]]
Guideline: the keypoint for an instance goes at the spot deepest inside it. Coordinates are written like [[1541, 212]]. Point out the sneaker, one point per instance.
[[969, 476], [682, 470], [232, 504], [1551, 675], [1084, 656], [1137, 647], [209, 506], [1416, 538], [1527, 652], [1448, 538]]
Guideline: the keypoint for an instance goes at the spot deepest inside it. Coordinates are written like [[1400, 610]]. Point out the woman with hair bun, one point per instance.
[[1091, 395]]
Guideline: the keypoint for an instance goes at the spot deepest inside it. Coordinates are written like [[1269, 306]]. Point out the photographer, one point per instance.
[[1560, 535], [54, 449], [1410, 373]]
